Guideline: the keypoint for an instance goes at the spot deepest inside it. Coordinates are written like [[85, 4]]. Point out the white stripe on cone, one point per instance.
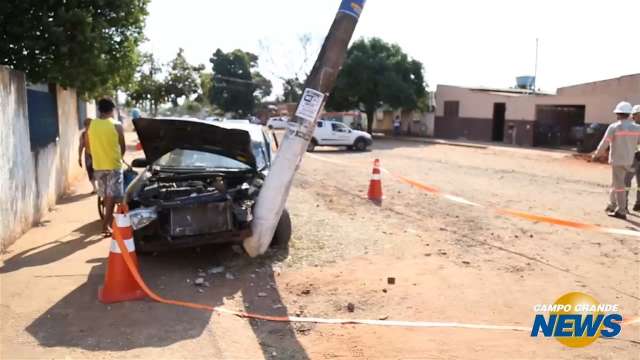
[[131, 247], [376, 177], [122, 220]]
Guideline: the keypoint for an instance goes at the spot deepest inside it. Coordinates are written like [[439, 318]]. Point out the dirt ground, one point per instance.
[[451, 263]]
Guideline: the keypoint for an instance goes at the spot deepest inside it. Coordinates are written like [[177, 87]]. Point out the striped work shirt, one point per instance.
[[622, 138]]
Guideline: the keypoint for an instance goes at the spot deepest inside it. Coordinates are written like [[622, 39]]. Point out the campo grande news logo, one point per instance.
[[576, 320]]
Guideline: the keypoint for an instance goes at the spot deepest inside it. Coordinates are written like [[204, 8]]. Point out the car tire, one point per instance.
[[282, 236], [312, 145], [360, 145]]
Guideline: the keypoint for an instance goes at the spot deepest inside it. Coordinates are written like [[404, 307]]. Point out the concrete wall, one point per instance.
[[600, 97], [32, 181], [18, 196], [412, 123]]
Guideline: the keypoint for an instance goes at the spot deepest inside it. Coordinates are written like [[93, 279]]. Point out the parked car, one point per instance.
[[333, 133], [213, 119], [277, 123], [199, 184]]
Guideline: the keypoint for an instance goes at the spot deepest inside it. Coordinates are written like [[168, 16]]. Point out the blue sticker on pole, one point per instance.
[[352, 7]]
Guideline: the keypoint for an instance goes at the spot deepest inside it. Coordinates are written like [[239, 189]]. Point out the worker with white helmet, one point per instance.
[[622, 139], [635, 116]]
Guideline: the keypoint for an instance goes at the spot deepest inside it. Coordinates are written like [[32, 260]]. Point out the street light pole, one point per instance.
[[275, 190]]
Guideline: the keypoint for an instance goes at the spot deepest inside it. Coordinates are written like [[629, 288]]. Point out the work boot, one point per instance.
[[610, 208], [636, 207], [618, 215]]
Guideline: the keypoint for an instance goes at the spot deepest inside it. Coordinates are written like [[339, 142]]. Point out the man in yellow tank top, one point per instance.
[[106, 140]]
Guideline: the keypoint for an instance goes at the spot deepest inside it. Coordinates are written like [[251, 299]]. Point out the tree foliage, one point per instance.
[[292, 90], [183, 78], [147, 88], [89, 45], [237, 85], [206, 85], [376, 73]]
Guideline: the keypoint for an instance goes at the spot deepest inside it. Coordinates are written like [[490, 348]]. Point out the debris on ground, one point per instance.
[[391, 280], [201, 274], [230, 276], [383, 317], [305, 292], [262, 294], [216, 270], [199, 282], [351, 307]]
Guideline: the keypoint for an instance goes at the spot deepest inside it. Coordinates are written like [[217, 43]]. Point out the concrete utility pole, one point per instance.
[[274, 192]]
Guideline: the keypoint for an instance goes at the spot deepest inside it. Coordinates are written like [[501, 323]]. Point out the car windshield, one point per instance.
[[192, 159]]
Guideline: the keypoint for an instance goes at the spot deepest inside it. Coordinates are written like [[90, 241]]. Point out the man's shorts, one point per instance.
[[110, 184]]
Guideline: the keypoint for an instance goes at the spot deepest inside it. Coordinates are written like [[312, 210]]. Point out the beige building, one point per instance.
[[521, 117]]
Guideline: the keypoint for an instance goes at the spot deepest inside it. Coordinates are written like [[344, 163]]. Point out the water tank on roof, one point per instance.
[[526, 82]]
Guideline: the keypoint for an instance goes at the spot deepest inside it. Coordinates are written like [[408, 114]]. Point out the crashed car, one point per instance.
[[199, 184]]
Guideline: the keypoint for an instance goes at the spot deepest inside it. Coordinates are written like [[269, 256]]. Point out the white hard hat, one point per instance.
[[636, 109], [623, 108]]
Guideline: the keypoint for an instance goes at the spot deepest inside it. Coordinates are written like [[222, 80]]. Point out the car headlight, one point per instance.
[[142, 217]]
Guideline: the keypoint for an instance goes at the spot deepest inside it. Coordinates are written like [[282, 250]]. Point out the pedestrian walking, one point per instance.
[[396, 126], [622, 139], [106, 141], [83, 147]]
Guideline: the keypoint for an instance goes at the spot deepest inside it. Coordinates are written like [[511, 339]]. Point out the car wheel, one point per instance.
[[312, 145], [283, 232], [360, 145]]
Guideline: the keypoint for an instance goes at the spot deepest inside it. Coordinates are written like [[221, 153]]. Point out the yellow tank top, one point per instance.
[[104, 144]]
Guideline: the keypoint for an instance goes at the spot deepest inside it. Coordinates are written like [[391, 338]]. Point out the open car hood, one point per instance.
[[161, 136]]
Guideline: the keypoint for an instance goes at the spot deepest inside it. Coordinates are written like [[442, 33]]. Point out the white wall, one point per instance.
[[32, 181], [17, 172]]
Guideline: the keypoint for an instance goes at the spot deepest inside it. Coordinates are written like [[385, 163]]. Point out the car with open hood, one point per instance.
[[199, 184]]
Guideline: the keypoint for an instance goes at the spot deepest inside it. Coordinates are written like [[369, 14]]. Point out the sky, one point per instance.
[[460, 42]]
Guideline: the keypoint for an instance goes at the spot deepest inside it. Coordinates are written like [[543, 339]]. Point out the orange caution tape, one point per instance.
[[546, 219]]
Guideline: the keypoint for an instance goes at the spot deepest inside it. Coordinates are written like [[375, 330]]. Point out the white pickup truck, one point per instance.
[[332, 133]]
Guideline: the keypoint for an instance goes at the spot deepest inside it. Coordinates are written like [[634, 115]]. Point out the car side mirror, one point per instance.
[[350, 131], [139, 163]]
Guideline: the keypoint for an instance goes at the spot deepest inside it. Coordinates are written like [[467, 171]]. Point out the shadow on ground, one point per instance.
[[55, 250], [79, 321]]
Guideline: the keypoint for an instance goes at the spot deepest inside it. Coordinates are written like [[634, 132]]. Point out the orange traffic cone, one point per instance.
[[119, 284], [375, 185]]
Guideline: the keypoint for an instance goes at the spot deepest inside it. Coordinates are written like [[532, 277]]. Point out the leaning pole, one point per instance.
[[275, 190]]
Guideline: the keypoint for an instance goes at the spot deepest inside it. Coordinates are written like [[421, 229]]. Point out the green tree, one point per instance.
[[236, 84], [292, 90], [182, 79], [206, 85], [377, 73], [147, 88], [89, 45]]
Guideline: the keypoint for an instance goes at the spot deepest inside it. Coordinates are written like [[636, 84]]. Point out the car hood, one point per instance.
[[161, 136]]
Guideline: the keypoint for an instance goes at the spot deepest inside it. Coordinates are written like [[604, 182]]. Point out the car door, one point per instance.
[[341, 134]]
